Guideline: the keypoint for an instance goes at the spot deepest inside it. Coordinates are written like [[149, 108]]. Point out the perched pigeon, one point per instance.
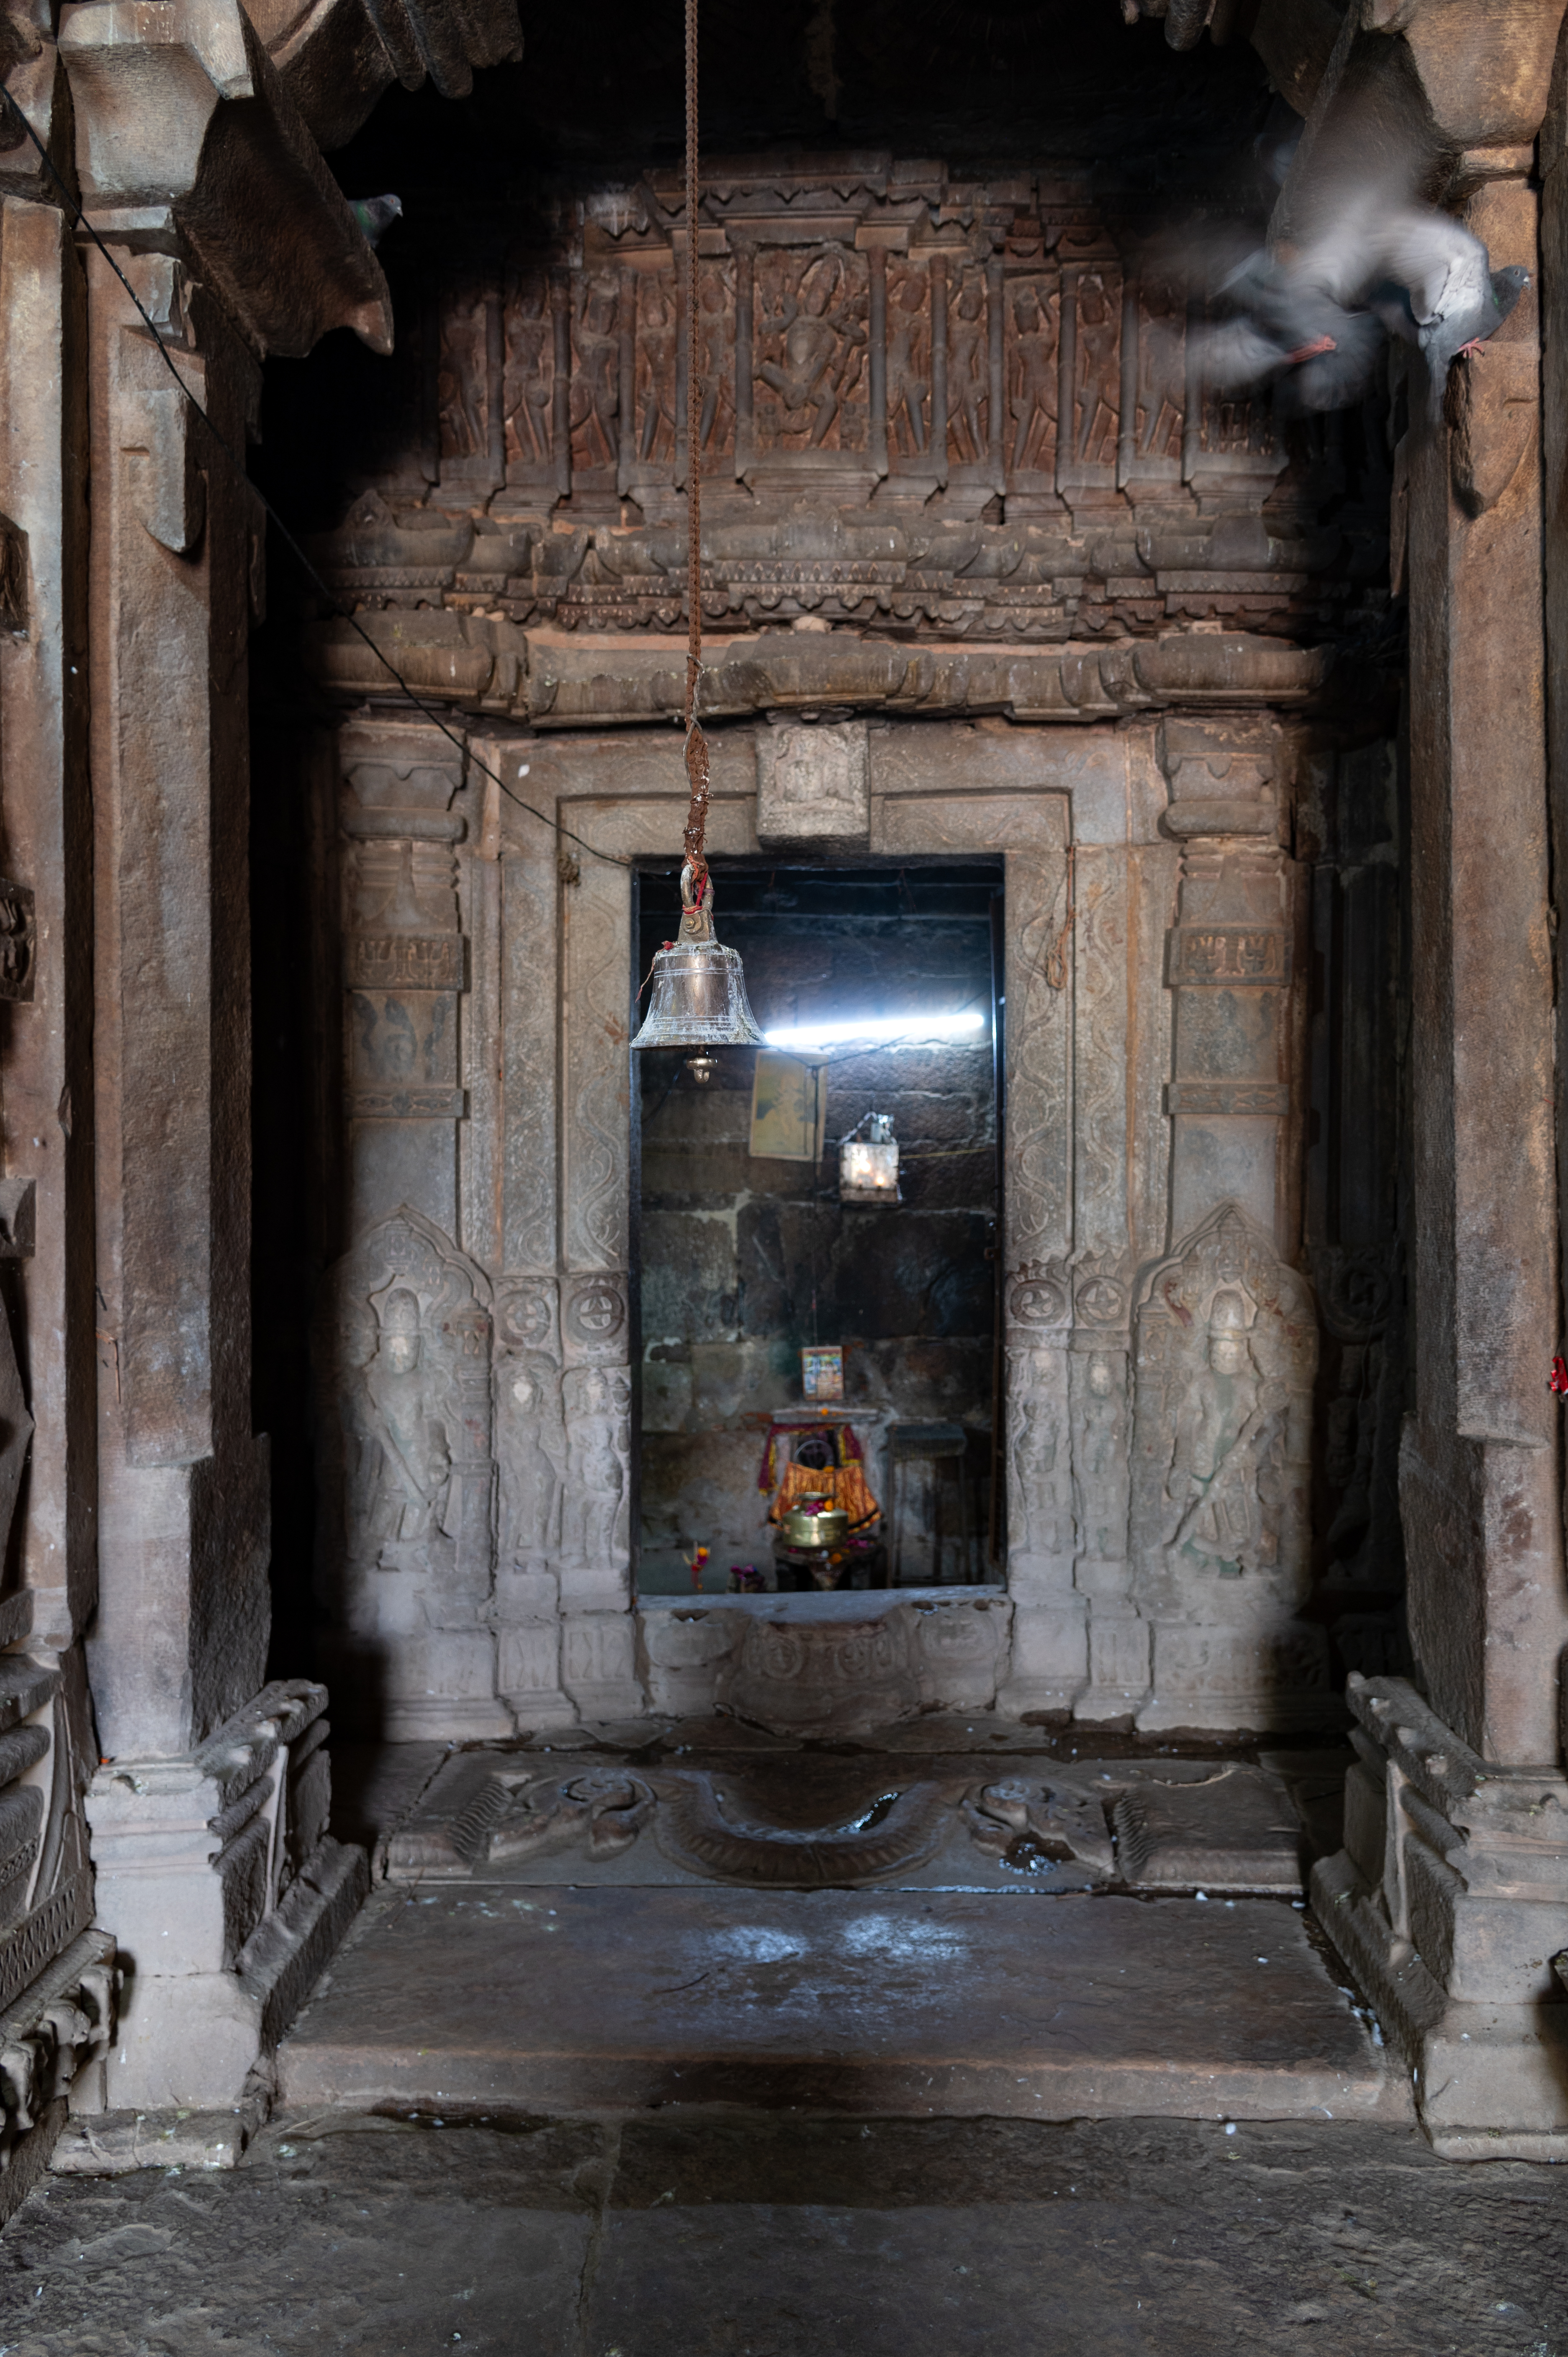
[[375, 215]]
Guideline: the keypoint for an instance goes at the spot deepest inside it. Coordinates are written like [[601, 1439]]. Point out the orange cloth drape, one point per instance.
[[841, 1485]]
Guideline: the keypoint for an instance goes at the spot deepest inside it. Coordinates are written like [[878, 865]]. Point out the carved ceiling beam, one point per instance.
[[336, 57], [485, 666], [1451, 76], [188, 143]]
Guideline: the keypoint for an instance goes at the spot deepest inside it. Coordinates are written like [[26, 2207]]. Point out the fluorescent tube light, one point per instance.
[[882, 1030]]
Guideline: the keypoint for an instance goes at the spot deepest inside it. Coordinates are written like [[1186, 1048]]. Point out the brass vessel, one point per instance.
[[816, 1524]]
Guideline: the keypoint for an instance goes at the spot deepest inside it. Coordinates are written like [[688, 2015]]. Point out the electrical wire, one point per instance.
[[341, 612]]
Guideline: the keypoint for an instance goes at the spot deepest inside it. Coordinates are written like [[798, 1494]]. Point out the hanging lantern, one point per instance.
[[699, 992], [698, 999], [868, 1167]]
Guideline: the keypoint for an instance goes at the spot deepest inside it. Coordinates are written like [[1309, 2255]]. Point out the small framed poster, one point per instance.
[[822, 1372], [789, 1108]]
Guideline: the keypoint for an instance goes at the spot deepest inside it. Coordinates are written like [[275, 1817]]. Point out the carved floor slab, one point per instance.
[[909, 2002], [823, 1822]]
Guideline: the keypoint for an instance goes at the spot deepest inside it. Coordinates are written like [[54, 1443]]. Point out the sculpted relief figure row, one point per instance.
[[482, 1442], [983, 388], [933, 331]]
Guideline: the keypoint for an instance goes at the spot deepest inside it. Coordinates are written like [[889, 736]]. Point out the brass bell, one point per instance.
[[698, 999]]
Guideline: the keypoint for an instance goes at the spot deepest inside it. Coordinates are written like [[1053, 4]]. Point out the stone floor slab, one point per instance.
[[886, 2002], [349, 2235]]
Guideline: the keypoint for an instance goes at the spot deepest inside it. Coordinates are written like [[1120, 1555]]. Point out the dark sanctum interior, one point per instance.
[[748, 1257]]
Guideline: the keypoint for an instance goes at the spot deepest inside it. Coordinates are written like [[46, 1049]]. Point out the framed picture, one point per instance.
[[822, 1372]]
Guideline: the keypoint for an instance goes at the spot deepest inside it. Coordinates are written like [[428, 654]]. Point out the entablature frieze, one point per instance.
[[949, 408]]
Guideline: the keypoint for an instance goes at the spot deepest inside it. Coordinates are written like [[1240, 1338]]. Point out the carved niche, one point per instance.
[[408, 1367], [1226, 1349]]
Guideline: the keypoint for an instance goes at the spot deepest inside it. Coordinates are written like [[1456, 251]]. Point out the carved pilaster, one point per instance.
[[1226, 1348], [406, 1454], [404, 971], [1230, 967]]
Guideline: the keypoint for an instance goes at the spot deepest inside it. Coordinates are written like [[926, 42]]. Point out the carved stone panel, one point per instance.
[[529, 380], [1092, 374], [1226, 1353], [813, 784], [410, 1367], [18, 942], [1039, 1201], [1031, 346], [1154, 367], [1102, 1022], [596, 1111], [599, 297], [909, 398], [467, 388], [531, 1450], [594, 1319], [1039, 1487], [973, 416], [812, 306], [595, 1535], [1101, 1437], [527, 1315], [407, 1469]]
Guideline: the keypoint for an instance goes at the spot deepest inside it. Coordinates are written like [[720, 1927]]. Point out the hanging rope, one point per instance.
[[696, 743]]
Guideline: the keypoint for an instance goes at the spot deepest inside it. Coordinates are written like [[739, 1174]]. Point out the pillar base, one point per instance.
[[226, 1896], [1448, 1902]]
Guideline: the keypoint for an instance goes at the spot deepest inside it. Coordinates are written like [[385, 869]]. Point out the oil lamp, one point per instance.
[[698, 999]]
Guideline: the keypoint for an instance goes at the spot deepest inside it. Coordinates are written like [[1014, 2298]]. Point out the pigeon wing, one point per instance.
[[1445, 270], [1236, 351], [1342, 257]]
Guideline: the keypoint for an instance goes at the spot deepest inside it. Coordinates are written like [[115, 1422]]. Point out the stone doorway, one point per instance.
[[747, 1252], [1159, 1349]]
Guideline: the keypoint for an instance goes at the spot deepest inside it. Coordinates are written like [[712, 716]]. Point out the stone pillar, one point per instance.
[[1478, 1482], [57, 1977], [1451, 1895], [1223, 1328], [178, 1649]]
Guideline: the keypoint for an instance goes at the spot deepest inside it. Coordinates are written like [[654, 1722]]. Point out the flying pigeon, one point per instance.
[[1285, 328], [1427, 278], [375, 215]]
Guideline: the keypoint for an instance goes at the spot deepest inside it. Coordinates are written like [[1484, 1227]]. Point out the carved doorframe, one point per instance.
[[1130, 1108], [557, 1200]]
